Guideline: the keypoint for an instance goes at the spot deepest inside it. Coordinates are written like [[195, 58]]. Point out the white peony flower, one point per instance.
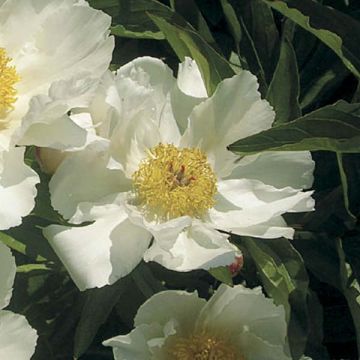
[[235, 324], [60, 46], [17, 337], [158, 182]]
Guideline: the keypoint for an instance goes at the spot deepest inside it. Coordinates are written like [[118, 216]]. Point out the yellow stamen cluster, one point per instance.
[[174, 182], [8, 79], [202, 346]]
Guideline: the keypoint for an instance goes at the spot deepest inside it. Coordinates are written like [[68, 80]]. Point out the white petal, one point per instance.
[[280, 169], [7, 271], [245, 193], [17, 188], [153, 74], [58, 40], [144, 113], [101, 253], [257, 203], [198, 247], [17, 337], [240, 309], [83, 177], [235, 111], [134, 346], [47, 123], [271, 229], [181, 306], [189, 79], [166, 232], [255, 348]]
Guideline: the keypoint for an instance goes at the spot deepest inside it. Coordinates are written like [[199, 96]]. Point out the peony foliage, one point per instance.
[[179, 179]]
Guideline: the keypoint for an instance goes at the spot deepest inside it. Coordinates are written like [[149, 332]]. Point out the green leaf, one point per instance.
[[248, 55], [223, 274], [13, 243], [284, 89], [337, 30], [32, 267], [321, 75], [189, 10], [139, 16], [285, 279], [120, 30], [344, 183], [333, 128], [98, 305], [350, 288], [349, 168], [187, 42], [29, 240]]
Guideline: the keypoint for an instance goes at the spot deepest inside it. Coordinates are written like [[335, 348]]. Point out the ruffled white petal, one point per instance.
[[198, 247], [58, 39], [100, 253], [134, 346], [7, 271], [247, 203], [17, 337], [189, 79], [279, 169], [166, 232], [17, 188], [152, 74], [255, 348], [180, 306], [83, 177], [144, 114], [274, 228], [47, 124], [235, 111], [240, 309]]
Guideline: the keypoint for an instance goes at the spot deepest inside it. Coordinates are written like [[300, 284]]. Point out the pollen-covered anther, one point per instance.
[[173, 182], [202, 346], [8, 79]]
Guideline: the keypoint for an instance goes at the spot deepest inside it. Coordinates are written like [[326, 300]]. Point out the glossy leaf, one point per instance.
[[333, 128], [337, 30]]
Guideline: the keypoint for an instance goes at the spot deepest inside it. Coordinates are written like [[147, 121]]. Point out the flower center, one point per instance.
[[174, 182], [202, 346], [8, 79]]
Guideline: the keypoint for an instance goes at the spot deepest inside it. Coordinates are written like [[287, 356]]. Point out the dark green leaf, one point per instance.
[[98, 305], [248, 55], [350, 288], [120, 30], [333, 128], [284, 89], [337, 30], [187, 42], [285, 279], [189, 10], [223, 274]]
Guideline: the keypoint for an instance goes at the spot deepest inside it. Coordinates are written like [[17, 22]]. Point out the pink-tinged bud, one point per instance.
[[236, 266], [49, 159]]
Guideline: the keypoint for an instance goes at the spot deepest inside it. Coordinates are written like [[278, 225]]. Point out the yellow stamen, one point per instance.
[[202, 346], [8, 79], [173, 182]]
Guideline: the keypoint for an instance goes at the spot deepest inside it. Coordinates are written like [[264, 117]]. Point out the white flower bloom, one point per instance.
[[161, 170], [17, 337], [235, 324], [60, 46]]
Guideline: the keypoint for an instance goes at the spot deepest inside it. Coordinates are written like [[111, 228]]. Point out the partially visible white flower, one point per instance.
[[17, 337], [235, 324], [159, 168], [49, 50]]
